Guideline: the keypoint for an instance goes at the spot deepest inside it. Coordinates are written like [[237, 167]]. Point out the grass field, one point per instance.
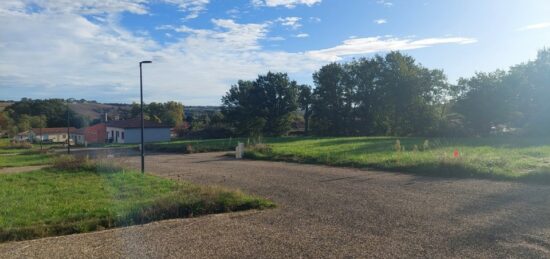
[[14, 157], [51, 202], [526, 159]]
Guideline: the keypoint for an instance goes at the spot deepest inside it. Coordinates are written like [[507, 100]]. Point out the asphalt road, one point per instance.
[[326, 212]]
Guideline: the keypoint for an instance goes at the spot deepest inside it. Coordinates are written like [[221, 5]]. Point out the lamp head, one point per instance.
[[146, 62]]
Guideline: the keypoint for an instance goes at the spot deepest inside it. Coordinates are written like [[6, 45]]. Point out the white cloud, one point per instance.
[[285, 3], [192, 7], [380, 21], [62, 54], [385, 3], [302, 35], [362, 46], [536, 26], [292, 22], [315, 19]]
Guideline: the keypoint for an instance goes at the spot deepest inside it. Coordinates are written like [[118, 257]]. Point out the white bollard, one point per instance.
[[239, 151]]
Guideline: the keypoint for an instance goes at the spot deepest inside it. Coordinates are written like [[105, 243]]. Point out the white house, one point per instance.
[[129, 131], [54, 135]]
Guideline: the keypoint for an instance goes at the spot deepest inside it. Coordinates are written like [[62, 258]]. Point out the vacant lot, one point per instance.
[[326, 212], [496, 158]]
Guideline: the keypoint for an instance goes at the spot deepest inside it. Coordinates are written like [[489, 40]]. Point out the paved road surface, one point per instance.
[[326, 212]]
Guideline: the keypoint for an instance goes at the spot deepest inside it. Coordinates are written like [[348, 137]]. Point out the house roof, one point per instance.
[[54, 130], [135, 123]]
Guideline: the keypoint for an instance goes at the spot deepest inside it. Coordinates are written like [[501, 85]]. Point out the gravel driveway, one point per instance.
[[326, 212]]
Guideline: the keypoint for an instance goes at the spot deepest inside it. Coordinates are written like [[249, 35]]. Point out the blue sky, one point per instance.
[[90, 49]]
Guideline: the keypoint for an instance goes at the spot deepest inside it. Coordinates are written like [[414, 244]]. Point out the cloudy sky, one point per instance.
[[91, 48]]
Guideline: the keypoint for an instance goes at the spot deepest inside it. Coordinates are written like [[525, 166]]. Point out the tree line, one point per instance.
[[391, 95], [395, 95]]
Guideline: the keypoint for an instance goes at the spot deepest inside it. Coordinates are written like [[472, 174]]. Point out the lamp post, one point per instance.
[[68, 131], [142, 121], [41, 137]]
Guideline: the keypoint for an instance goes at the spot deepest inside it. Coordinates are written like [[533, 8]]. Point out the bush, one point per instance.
[[20, 145], [262, 148], [71, 163]]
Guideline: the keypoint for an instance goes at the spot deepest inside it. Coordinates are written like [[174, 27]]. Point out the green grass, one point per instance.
[[14, 157], [524, 159], [28, 158], [49, 202]]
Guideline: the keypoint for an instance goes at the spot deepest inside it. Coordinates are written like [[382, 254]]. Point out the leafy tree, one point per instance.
[[171, 113], [328, 106], [384, 95], [482, 104], [263, 106], [305, 99], [55, 110]]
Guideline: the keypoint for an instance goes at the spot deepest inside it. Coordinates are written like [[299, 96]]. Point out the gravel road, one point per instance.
[[325, 212]]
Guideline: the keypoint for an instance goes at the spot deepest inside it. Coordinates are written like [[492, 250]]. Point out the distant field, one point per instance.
[[3, 105], [497, 158]]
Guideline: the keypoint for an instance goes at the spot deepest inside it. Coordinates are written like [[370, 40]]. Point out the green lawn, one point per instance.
[[498, 158], [14, 157], [50, 202]]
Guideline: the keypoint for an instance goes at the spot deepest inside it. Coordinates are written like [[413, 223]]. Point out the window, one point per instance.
[[122, 135]]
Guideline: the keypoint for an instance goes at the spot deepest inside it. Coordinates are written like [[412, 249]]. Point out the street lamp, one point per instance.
[[142, 121], [68, 131]]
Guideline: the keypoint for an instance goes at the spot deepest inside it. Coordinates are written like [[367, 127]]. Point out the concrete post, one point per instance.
[[239, 151]]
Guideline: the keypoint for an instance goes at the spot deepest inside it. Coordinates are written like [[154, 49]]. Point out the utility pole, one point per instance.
[[41, 136], [142, 121], [68, 131]]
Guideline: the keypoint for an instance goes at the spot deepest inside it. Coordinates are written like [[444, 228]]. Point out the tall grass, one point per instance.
[[495, 158], [65, 200]]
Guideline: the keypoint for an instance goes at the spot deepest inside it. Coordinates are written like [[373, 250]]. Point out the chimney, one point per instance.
[[106, 117]]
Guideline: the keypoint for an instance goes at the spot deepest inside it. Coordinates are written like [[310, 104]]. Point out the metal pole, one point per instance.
[[68, 131], [41, 137], [142, 122]]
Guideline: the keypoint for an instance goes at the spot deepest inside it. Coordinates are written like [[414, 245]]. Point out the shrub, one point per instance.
[[71, 163], [20, 145], [261, 148], [106, 166], [397, 146]]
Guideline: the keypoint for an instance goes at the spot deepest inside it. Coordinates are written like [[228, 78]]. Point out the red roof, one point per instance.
[[135, 123], [53, 130]]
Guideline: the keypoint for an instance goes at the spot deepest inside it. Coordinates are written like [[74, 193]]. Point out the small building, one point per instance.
[[96, 134], [77, 137], [23, 136], [54, 135], [129, 131]]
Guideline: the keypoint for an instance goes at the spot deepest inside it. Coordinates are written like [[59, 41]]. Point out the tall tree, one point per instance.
[[263, 106], [305, 99], [328, 106], [383, 95]]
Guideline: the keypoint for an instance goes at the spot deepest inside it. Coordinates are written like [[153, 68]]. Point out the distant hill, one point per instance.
[[94, 110], [4, 104]]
